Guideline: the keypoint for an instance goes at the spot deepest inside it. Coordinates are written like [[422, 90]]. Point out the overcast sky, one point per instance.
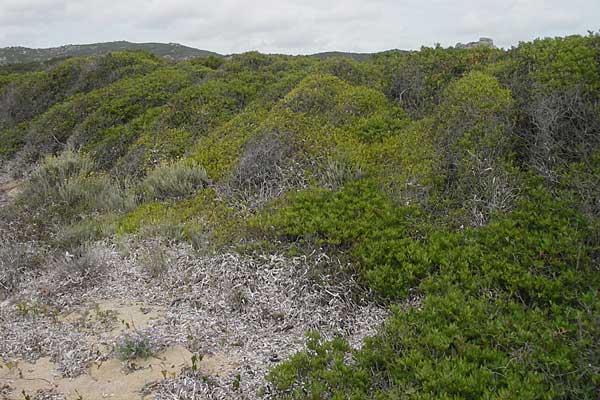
[[296, 27]]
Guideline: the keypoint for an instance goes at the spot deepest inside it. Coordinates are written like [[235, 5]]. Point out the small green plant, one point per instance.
[[196, 359], [134, 346], [34, 309], [237, 380], [105, 317]]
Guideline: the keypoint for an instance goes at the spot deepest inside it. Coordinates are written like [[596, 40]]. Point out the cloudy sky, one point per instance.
[[296, 27]]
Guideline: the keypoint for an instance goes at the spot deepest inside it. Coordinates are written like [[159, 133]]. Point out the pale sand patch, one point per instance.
[[126, 316], [111, 379], [219, 364]]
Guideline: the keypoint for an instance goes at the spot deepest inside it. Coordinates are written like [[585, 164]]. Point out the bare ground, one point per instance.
[[216, 324]]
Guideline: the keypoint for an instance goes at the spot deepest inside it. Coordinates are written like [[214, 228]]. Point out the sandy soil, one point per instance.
[[237, 316]]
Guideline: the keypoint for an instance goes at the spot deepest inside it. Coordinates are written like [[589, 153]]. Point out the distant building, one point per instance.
[[483, 43]]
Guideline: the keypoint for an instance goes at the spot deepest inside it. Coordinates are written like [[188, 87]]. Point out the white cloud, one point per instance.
[[290, 26]]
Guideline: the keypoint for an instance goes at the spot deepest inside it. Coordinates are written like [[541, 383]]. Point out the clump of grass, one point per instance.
[[16, 261], [83, 268], [57, 169], [155, 260], [174, 180], [78, 234], [134, 346], [67, 186], [336, 174]]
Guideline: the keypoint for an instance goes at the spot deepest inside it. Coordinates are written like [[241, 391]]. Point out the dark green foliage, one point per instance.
[[450, 348], [509, 311], [339, 218]]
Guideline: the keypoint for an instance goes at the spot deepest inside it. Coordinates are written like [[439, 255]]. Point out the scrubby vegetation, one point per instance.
[[467, 180]]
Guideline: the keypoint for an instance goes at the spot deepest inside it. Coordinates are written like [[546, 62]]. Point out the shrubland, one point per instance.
[[467, 179]]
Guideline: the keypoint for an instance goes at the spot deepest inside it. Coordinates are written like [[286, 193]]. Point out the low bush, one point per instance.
[[73, 236], [204, 220], [85, 267], [17, 262], [334, 100], [266, 169], [155, 260], [67, 184], [177, 179], [133, 346]]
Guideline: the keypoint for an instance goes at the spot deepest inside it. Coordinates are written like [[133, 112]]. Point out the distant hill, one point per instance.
[[332, 54], [30, 59], [174, 51]]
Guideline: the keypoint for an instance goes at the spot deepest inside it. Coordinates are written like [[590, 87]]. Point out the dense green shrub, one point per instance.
[[457, 347], [561, 62], [81, 120], [417, 80], [530, 270], [471, 131], [201, 107], [353, 72], [333, 99]]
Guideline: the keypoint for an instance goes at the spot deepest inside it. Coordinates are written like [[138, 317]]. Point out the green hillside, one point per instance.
[[459, 187]]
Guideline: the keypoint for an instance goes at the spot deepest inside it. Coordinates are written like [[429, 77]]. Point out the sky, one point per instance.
[[292, 27]]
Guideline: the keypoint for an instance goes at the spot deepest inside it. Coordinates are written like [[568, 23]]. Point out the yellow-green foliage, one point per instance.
[[152, 213], [201, 216], [331, 98], [219, 150], [475, 114]]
